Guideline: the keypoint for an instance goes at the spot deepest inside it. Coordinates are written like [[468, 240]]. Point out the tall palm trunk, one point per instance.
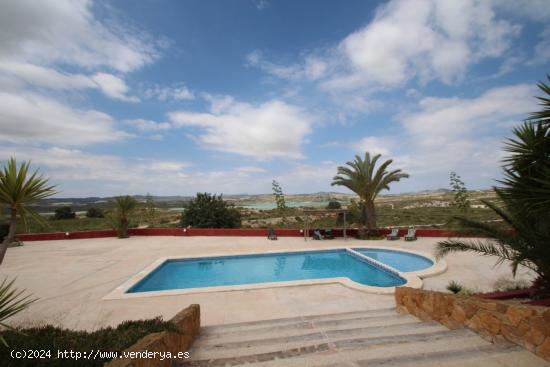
[[10, 236], [371, 215]]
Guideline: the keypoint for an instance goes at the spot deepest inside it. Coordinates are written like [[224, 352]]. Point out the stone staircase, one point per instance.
[[364, 338]]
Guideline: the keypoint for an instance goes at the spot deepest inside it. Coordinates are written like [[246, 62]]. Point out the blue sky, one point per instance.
[[176, 97]]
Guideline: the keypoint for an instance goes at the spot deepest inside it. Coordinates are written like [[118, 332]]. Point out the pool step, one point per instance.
[[353, 339]]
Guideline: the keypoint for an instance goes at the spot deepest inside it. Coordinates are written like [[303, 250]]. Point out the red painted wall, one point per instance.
[[244, 232]]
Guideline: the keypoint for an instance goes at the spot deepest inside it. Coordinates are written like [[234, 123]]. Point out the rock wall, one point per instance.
[[525, 325], [187, 321]]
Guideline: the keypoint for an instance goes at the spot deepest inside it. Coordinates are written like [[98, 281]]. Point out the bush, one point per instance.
[[56, 339], [210, 211], [94, 212], [333, 204], [65, 212], [454, 287]]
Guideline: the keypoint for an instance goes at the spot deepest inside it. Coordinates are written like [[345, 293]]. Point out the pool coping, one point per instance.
[[413, 279]]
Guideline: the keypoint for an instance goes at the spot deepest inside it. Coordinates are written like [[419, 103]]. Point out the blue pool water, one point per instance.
[[248, 269], [402, 261]]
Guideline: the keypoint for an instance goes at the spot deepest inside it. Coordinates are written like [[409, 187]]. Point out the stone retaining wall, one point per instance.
[[525, 325], [188, 325]]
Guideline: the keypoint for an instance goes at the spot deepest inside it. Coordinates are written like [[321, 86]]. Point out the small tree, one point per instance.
[[94, 212], [210, 211], [279, 196], [124, 206], [333, 204], [461, 198], [64, 212]]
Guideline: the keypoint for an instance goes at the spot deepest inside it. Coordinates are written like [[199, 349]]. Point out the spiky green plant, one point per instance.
[[544, 101], [363, 178], [18, 189], [12, 301], [123, 207], [525, 198], [523, 242]]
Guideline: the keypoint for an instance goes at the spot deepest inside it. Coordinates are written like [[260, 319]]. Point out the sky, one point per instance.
[[178, 97]]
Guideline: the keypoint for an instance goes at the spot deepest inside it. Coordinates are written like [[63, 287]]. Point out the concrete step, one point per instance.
[[287, 329], [318, 335], [354, 339], [317, 342], [292, 320], [325, 354]]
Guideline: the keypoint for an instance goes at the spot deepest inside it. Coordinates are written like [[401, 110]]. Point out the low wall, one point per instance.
[[525, 325], [187, 322], [241, 232]]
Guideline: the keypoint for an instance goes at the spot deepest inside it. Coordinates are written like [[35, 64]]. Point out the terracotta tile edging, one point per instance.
[[494, 320], [187, 322]]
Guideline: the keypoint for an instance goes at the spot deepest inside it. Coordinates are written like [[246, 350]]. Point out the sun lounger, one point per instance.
[[271, 235], [394, 235], [328, 234], [317, 235], [411, 235]]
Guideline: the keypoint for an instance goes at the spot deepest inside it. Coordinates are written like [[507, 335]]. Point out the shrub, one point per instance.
[[65, 212], [57, 339], [210, 211], [454, 287], [333, 204], [94, 212]]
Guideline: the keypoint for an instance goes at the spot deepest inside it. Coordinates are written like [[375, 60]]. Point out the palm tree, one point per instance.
[[524, 242], [17, 191], [525, 195], [362, 177], [544, 114], [124, 206], [527, 171]]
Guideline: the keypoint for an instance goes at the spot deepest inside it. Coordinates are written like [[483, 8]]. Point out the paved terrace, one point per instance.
[[71, 277]]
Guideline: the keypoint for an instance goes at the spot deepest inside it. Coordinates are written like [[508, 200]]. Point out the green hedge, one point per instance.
[[56, 339]]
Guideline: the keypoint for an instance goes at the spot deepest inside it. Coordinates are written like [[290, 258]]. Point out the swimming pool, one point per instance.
[[206, 272], [399, 260]]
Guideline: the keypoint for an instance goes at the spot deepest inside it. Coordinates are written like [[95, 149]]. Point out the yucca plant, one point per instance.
[[123, 207], [363, 178], [12, 301], [18, 189]]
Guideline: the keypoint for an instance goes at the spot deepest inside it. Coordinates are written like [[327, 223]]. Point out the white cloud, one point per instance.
[[31, 118], [272, 129], [311, 68], [113, 87], [65, 31], [176, 93], [115, 175], [422, 39], [460, 134], [148, 125], [44, 77], [375, 145], [442, 120]]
